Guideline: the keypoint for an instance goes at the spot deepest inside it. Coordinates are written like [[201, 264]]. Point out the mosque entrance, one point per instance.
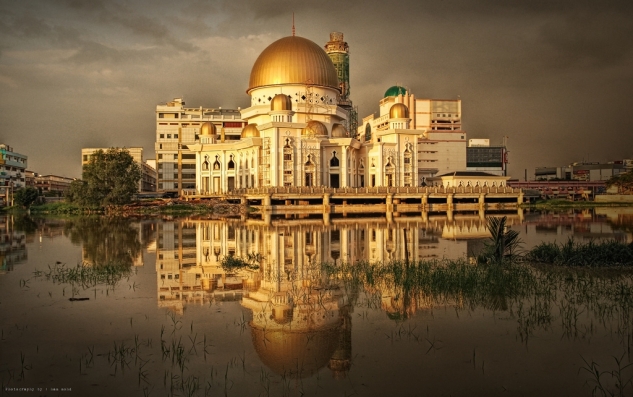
[[231, 181], [205, 185], [334, 181], [389, 180], [309, 179]]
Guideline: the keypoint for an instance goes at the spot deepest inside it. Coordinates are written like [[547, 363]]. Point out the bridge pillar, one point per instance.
[[425, 216], [425, 200], [449, 215], [326, 203], [482, 200], [326, 218], [449, 201], [267, 200], [389, 202], [520, 197]]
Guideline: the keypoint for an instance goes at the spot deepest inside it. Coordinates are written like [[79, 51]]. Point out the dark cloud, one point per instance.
[[554, 76]]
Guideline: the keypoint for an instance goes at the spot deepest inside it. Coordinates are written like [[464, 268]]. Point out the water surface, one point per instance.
[[163, 318]]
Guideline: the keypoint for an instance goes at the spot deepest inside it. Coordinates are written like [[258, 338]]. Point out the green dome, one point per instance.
[[395, 91]]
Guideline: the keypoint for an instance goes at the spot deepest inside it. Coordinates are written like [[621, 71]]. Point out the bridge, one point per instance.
[[290, 200]]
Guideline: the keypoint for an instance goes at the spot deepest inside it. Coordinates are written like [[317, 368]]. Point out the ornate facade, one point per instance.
[[296, 135]]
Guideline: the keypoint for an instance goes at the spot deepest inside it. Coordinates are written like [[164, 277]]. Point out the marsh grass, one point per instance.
[[574, 254], [85, 276]]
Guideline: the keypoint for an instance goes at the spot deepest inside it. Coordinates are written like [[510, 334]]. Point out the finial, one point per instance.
[[293, 23]]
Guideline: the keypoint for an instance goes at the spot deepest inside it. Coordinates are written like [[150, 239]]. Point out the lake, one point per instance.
[[327, 308]]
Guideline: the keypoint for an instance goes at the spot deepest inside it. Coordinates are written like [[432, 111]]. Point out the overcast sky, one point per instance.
[[556, 77]]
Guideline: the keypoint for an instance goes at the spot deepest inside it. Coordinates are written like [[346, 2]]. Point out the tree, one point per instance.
[[25, 196], [623, 181], [109, 178]]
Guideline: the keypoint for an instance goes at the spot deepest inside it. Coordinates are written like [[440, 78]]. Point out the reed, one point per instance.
[[575, 254]]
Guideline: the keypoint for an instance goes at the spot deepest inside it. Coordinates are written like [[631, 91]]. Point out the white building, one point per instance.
[[12, 173], [295, 132], [178, 127]]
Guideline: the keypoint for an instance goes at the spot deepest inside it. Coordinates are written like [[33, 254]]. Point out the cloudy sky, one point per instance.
[[556, 77]]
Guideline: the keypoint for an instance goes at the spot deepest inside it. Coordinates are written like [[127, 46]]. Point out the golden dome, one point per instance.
[[296, 354], [293, 60], [338, 131], [250, 131], [281, 102], [315, 128], [208, 129], [399, 111]]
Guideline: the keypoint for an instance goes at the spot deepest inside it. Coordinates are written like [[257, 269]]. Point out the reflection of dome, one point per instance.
[[250, 131], [316, 128], [281, 102], [395, 91], [338, 131], [399, 111], [208, 129], [293, 60], [298, 354]]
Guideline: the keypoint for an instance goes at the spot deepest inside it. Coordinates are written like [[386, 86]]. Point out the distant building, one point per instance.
[[481, 157], [178, 127], [584, 171], [148, 173], [30, 178], [12, 173], [52, 185]]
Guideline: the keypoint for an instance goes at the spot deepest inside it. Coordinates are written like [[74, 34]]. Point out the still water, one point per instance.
[[169, 321]]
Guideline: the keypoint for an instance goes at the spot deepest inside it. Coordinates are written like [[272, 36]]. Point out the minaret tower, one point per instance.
[[338, 51]]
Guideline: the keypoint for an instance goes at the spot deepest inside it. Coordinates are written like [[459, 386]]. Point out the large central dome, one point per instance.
[[293, 60]]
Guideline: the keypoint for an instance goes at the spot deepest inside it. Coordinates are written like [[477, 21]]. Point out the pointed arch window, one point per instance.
[[334, 162], [216, 164], [287, 151], [231, 163], [205, 164]]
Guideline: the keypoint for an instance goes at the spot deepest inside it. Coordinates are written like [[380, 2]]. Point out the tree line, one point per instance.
[[110, 177]]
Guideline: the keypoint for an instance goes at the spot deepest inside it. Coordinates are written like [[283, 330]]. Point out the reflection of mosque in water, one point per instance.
[[301, 322], [12, 244], [189, 252]]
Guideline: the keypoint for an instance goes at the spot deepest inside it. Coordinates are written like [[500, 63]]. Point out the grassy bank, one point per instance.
[[563, 204]]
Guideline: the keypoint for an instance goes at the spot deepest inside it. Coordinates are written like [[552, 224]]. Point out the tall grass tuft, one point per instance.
[[503, 245]]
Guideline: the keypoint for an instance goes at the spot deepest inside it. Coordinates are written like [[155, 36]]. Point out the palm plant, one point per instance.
[[503, 243]]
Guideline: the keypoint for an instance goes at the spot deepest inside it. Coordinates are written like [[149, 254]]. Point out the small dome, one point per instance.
[[250, 131], [315, 128], [208, 129], [338, 131], [399, 111], [281, 102], [395, 91]]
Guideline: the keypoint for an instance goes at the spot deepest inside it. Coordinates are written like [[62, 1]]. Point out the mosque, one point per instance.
[[302, 130]]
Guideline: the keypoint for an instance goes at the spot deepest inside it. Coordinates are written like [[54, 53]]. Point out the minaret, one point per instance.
[[338, 51]]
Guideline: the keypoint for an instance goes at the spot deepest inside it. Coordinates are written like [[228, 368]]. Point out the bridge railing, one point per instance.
[[377, 190]]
